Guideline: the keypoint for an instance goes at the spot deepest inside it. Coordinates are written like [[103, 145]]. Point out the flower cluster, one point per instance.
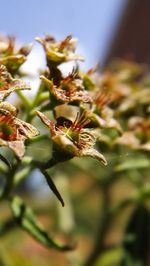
[[104, 101], [130, 90], [100, 103], [13, 131], [76, 89], [87, 114]]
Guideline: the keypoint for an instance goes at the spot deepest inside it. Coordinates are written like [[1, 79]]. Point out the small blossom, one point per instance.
[[70, 89], [8, 84], [14, 131], [72, 138], [138, 134], [114, 85], [101, 114], [88, 81], [10, 56], [120, 79], [139, 97], [59, 52]]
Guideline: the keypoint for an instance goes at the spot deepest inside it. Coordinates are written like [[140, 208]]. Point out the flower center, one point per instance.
[[3, 85], [72, 130], [7, 129]]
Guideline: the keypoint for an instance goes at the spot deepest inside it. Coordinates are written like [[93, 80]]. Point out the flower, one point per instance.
[[101, 114], [104, 113], [9, 56], [114, 85], [123, 80], [140, 97], [71, 138], [14, 131], [138, 135], [8, 84], [59, 52], [70, 89]]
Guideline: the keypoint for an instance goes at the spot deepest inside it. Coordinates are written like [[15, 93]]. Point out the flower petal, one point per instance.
[[13, 61], [94, 154], [146, 146], [44, 118], [17, 147], [128, 139], [7, 109], [8, 84], [25, 129]]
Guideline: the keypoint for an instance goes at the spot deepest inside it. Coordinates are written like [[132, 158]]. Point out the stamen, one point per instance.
[[103, 98], [65, 42], [84, 122], [76, 120], [80, 121]]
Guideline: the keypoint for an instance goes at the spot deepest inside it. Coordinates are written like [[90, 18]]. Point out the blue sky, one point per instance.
[[92, 21]]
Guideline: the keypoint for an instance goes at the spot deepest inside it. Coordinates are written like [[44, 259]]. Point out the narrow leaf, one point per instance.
[[53, 187], [25, 218], [136, 163], [4, 160]]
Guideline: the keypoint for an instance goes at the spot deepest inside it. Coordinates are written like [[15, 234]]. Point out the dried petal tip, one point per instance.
[[93, 153], [8, 84], [25, 50], [43, 118]]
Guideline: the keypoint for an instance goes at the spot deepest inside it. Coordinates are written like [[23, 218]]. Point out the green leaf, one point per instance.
[[25, 218], [88, 83], [53, 187], [110, 257], [135, 163], [4, 160]]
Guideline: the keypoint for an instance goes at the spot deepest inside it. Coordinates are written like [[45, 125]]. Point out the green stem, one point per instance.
[[43, 166], [36, 98], [103, 225], [9, 181], [24, 99], [37, 139], [21, 175], [43, 97]]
